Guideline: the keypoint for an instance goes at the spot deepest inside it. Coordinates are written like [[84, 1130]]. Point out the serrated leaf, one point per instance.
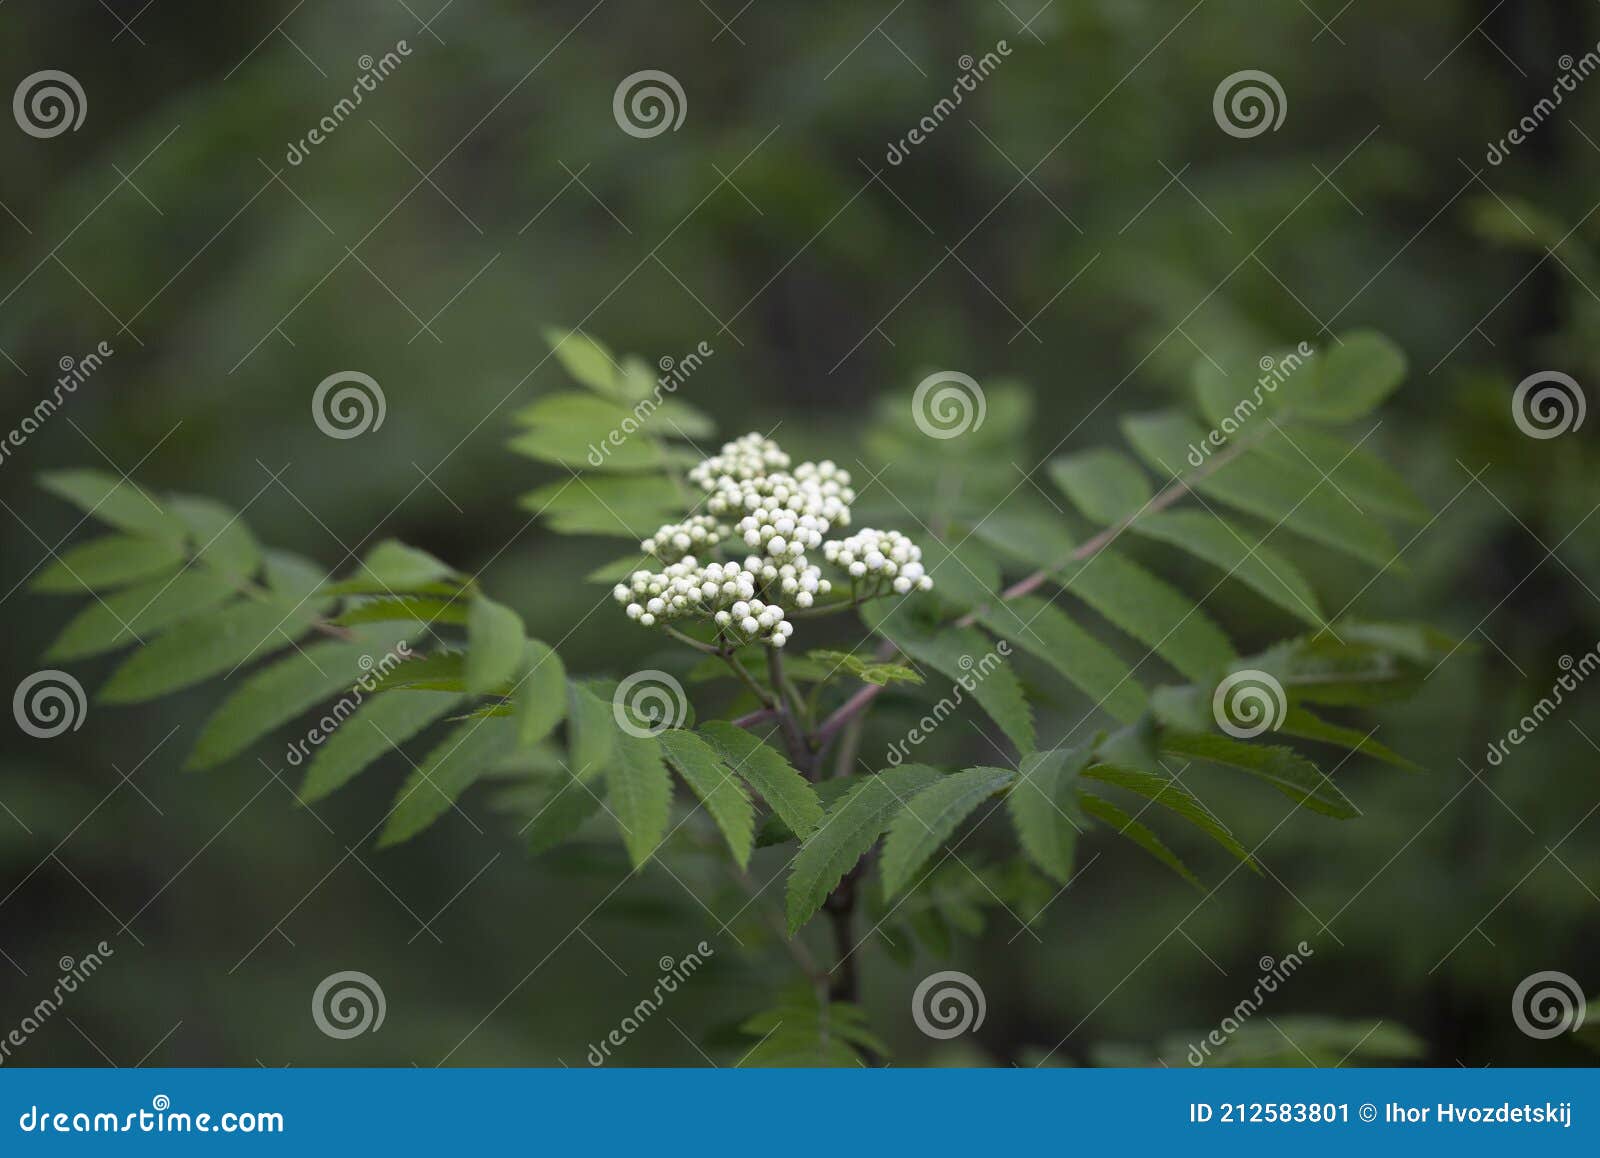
[[589, 362], [930, 817], [711, 780], [867, 670], [1106, 485], [1150, 610], [470, 752], [1043, 807], [406, 608], [583, 431], [379, 724], [1209, 537], [1352, 378], [282, 691], [639, 789], [441, 671], [392, 568], [108, 562], [139, 613], [1171, 795], [964, 655], [850, 828], [1125, 825], [119, 502], [1045, 631], [625, 506], [1288, 772], [1028, 530], [211, 644], [1298, 721], [221, 539], [592, 732], [965, 574], [562, 813], [780, 784], [1367, 480], [495, 643], [1285, 494], [541, 697]]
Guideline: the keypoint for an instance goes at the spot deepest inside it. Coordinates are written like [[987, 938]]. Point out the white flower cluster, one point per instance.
[[880, 554], [780, 516], [726, 591], [672, 541]]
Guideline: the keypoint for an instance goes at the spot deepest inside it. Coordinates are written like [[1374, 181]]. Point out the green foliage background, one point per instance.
[[1372, 206]]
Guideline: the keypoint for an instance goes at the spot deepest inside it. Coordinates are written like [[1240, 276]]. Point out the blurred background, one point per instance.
[[1080, 224]]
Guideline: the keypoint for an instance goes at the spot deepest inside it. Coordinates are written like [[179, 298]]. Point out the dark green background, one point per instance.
[[823, 278]]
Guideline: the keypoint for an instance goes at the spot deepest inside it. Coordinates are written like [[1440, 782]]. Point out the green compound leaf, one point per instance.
[[292, 685], [140, 612], [117, 501], [470, 752], [1172, 796], [1125, 825], [495, 642], [965, 656], [784, 789], [1106, 485], [345, 744], [639, 790], [930, 817], [722, 793], [851, 827], [1287, 771], [108, 562], [1043, 807]]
